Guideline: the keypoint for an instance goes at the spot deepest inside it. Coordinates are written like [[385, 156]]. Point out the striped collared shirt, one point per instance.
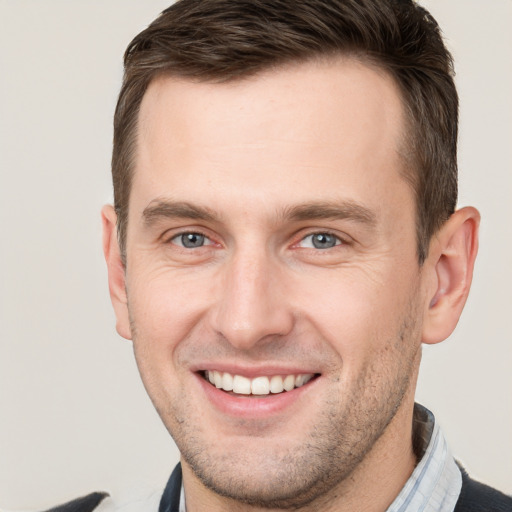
[[435, 483]]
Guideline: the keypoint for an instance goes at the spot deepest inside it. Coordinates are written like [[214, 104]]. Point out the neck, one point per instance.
[[380, 477]]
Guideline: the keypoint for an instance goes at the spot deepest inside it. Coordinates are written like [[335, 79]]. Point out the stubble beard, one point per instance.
[[344, 433]]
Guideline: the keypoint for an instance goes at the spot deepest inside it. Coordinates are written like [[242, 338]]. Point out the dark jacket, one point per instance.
[[474, 497]]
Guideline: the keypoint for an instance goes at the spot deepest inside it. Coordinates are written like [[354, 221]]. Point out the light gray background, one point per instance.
[[73, 414]]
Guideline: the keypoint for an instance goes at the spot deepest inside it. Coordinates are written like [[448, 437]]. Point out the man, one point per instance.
[[283, 240]]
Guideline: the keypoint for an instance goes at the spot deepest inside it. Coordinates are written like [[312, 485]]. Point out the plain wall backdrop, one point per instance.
[[74, 416]]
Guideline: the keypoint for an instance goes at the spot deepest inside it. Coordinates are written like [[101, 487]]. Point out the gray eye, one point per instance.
[[323, 240], [320, 241], [190, 240]]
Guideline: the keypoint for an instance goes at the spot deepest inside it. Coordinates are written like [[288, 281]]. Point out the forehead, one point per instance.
[[320, 125]]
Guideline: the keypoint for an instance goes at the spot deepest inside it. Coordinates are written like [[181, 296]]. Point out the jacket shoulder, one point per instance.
[[478, 497], [84, 504]]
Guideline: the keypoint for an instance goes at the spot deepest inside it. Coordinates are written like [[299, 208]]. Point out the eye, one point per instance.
[[319, 241], [191, 240]]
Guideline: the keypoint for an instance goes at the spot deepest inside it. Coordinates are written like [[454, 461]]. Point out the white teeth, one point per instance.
[[302, 379], [259, 385], [227, 382], [241, 385], [289, 382], [276, 384]]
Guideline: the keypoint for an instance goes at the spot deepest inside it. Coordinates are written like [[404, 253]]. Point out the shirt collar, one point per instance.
[[435, 483], [183, 507]]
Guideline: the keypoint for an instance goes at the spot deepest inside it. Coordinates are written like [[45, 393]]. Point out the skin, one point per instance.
[[246, 165]]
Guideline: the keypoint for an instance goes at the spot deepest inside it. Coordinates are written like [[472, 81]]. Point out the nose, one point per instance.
[[252, 304]]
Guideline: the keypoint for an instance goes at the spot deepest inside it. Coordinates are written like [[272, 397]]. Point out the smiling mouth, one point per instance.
[[258, 386]]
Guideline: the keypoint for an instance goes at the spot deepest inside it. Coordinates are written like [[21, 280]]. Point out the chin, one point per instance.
[[273, 482]]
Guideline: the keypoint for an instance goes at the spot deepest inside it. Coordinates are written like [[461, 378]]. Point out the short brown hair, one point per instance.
[[225, 40]]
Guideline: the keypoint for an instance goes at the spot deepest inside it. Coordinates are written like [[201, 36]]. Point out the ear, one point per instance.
[[116, 271], [450, 263]]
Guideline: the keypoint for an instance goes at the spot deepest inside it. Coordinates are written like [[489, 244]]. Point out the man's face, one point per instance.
[[271, 240]]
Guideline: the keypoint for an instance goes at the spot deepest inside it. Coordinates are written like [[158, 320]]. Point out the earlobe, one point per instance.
[[116, 271], [451, 260]]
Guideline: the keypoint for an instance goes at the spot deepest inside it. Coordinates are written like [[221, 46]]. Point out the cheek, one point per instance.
[[165, 306], [164, 311], [355, 310]]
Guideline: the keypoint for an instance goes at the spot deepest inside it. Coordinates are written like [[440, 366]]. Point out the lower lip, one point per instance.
[[252, 406]]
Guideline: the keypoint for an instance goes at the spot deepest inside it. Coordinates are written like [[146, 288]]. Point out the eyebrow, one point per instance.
[[320, 210], [346, 209], [167, 209]]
